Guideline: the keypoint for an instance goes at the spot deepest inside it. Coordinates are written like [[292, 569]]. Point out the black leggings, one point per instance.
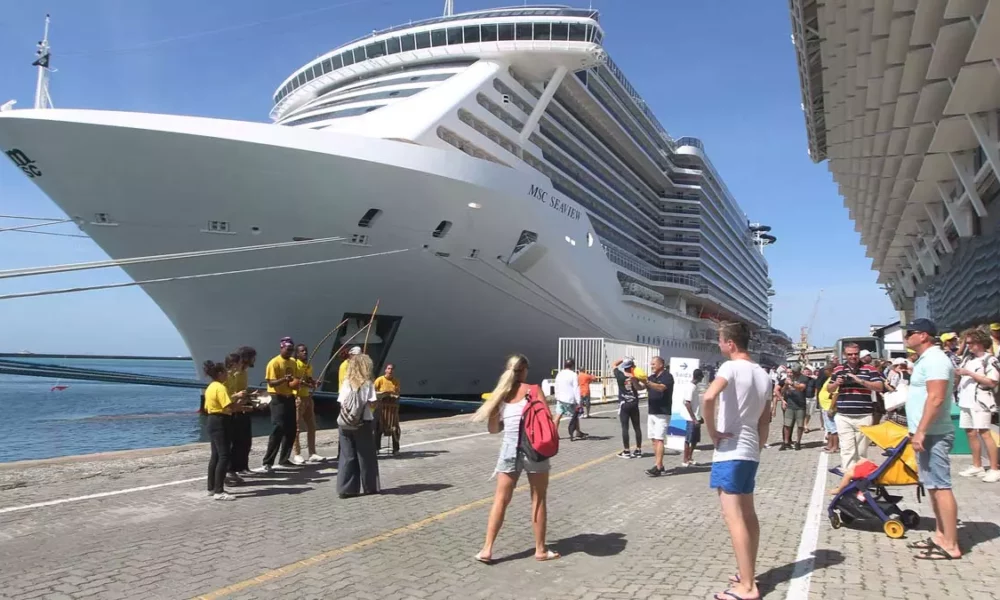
[[218, 432], [629, 411]]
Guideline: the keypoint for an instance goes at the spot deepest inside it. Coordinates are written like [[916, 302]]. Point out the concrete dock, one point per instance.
[[140, 525]]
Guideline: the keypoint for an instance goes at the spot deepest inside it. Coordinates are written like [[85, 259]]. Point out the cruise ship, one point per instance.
[[529, 190], [902, 99]]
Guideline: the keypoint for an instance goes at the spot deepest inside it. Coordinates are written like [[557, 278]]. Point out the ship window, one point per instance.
[[423, 39], [598, 37], [442, 229], [407, 43], [543, 31], [506, 32], [454, 35], [337, 62], [577, 32], [348, 58], [327, 66], [393, 45], [315, 72], [375, 49], [439, 38], [523, 31], [472, 34], [560, 31], [300, 79], [359, 54], [489, 33], [369, 218]]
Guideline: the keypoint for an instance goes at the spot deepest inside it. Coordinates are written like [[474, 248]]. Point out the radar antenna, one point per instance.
[[449, 7], [42, 97]]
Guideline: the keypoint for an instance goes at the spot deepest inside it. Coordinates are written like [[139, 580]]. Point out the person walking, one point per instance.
[[585, 379], [932, 435], [305, 410], [502, 414], [793, 404], [979, 375], [219, 406], [387, 390], [692, 403], [282, 381], [629, 385], [242, 424], [660, 390], [854, 383], [742, 391], [568, 399], [357, 470]]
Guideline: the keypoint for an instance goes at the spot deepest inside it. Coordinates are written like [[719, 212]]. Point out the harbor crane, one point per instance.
[[807, 329]]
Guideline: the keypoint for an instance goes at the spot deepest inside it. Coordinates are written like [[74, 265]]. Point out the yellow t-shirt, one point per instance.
[[217, 399], [305, 370], [232, 382], [240, 380], [825, 397], [342, 373], [278, 368], [384, 385]]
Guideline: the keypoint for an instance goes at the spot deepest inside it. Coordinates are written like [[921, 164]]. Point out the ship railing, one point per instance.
[[639, 267]]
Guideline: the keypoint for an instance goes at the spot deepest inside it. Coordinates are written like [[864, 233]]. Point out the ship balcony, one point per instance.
[[636, 267]]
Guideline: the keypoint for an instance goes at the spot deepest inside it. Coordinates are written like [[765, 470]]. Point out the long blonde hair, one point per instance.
[[359, 371], [508, 384]]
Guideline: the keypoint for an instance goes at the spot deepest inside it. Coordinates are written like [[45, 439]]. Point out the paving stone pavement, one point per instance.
[[621, 533]]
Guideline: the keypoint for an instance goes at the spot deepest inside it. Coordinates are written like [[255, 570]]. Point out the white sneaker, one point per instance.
[[264, 469], [298, 460], [972, 472], [316, 458], [992, 476], [224, 497]]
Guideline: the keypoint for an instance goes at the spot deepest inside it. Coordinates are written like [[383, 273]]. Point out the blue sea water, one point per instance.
[[92, 416]]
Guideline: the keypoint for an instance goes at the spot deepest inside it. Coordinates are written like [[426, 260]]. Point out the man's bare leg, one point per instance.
[[744, 530]]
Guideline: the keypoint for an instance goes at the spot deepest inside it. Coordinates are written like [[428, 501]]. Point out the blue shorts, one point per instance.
[[693, 435], [828, 423], [734, 476], [935, 463]]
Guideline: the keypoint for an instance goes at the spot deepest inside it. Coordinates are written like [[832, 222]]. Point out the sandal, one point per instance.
[[484, 559], [924, 544], [936, 553], [731, 595], [549, 555]]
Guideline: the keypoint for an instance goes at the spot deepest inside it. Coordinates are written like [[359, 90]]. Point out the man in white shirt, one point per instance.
[[691, 393], [739, 431], [568, 399]]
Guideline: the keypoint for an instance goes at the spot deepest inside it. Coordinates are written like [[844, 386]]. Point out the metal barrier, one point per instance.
[[596, 356]]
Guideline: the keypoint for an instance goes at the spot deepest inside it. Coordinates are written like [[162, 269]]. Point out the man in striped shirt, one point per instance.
[[854, 383]]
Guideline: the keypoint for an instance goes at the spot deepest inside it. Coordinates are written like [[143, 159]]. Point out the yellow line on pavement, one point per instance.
[[305, 563]]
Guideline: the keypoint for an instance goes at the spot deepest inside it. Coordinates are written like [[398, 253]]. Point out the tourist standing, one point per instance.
[[854, 383], [342, 370], [502, 413], [742, 390], [628, 404], [282, 381], [692, 402], [387, 390], [928, 408], [995, 338], [793, 403], [218, 406], [979, 373], [357, 470], [305, 408], [949, 343], [825, 400], [810, 394], [585, 379], [660, 390], [568, 399], [242, 431]]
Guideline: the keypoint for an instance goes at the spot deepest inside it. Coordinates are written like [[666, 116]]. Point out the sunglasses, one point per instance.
[[911, 333]]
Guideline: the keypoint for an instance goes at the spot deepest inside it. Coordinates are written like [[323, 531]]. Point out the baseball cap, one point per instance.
[[898, 361], [627, 363], [922, 326], [994, 326], [286, 342], [355, 350], [947, 337], [864, 354]]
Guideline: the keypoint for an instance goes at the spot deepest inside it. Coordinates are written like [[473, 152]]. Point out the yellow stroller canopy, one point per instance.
[[903, 467]]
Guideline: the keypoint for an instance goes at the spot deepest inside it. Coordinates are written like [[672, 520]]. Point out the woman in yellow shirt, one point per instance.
[[827, 407], [219, 406]]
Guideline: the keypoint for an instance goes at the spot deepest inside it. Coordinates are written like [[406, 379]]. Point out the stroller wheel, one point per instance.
[[835, 520], [893, 529], [910, 519]]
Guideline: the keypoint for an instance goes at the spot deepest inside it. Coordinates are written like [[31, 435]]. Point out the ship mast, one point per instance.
[[449, 8], [42, 97]]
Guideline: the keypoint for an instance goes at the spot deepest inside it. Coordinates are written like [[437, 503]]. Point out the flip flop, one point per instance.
[[485, 561], [549, 555], [936, 553], [924, 544], [731, 595]]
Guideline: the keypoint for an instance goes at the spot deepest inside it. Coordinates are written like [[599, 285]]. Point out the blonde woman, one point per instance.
[[502, 413], [357, 469]]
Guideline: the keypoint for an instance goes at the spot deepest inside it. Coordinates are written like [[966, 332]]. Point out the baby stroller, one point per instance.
[[866, 501]]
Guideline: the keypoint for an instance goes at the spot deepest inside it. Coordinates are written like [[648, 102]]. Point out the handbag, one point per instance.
[[897, 398]]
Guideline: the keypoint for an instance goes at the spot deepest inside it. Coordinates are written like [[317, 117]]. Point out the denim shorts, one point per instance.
[[828, 422], [512, 461], [734, 476], [935, 462], [693, 435]]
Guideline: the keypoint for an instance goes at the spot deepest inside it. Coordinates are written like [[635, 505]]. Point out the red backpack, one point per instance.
[[539, 439]]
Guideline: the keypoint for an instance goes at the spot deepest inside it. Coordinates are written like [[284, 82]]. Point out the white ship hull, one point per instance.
[[161, 179]]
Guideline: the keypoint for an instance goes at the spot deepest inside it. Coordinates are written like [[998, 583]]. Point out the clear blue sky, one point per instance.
[[720, 70]]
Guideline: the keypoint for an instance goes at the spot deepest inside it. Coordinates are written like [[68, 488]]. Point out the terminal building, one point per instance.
[[901, 99]]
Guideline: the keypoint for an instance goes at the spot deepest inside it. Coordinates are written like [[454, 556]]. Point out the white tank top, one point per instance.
[[511, 415]]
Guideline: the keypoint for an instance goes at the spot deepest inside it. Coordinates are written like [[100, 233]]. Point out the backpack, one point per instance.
[[539, 438], [352, 409]]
